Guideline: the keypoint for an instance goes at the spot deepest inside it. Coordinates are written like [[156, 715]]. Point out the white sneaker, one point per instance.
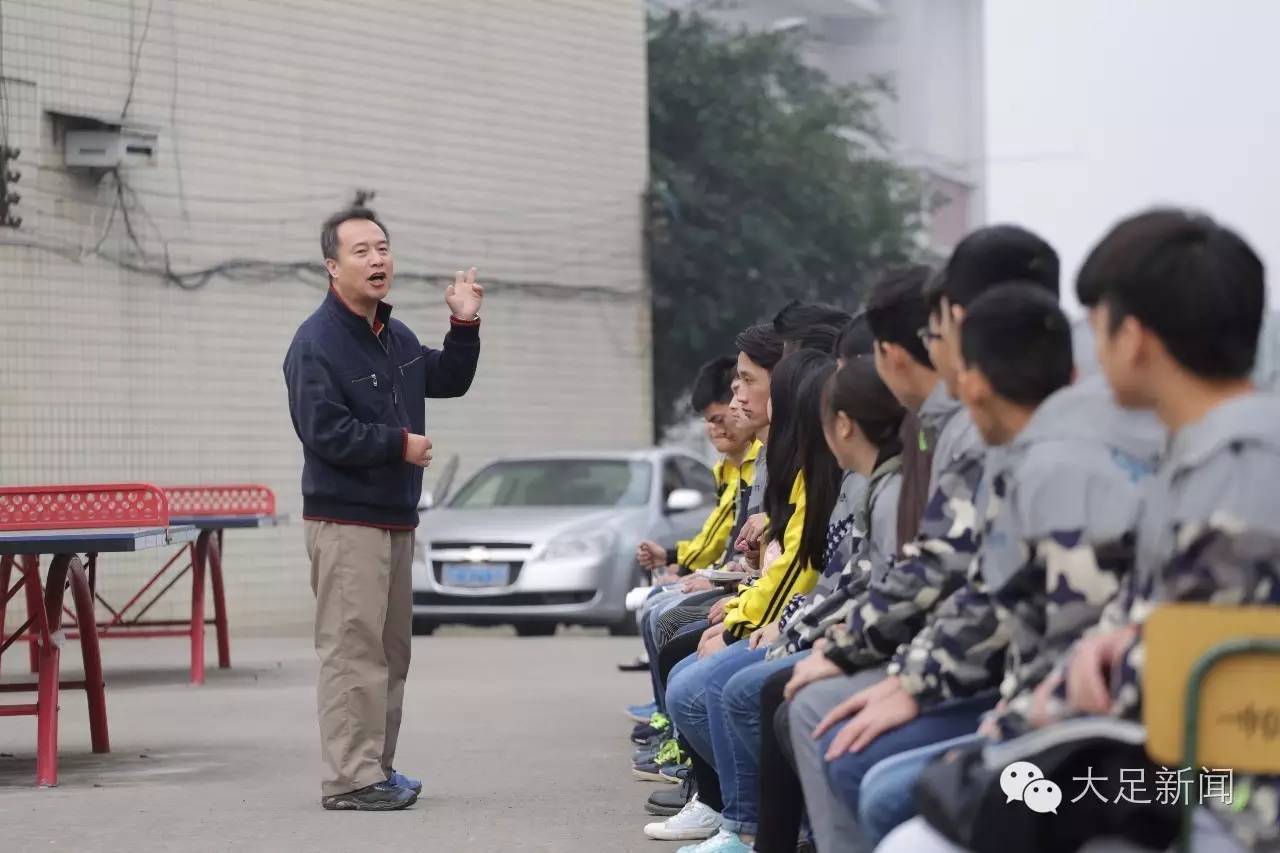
[[695, 822]]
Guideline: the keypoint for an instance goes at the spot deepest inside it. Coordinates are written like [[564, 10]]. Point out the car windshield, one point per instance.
[[557, 482]]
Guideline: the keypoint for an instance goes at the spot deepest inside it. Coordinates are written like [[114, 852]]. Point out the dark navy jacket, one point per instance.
[[355, 393]]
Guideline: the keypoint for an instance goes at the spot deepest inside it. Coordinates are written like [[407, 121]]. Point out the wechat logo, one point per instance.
[[1024, 782]]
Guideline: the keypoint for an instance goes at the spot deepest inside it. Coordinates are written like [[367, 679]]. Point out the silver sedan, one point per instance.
[[546, 540]]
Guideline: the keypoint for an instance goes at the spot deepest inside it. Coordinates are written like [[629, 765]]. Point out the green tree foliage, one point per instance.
[[768, 183]]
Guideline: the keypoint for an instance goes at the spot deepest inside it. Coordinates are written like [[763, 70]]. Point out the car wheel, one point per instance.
[[423, 627], [535, 629]]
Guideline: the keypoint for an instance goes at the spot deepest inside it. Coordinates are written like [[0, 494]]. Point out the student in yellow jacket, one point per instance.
[[712, 394], [708, 546], [803, 484]]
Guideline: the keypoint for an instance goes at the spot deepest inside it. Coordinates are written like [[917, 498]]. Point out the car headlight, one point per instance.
[[578, 546]]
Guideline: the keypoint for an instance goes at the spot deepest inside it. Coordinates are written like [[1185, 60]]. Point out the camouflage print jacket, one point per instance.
[[1227, 464], [1223, 470], [1226, 564], [1066, 494], [897, 602]]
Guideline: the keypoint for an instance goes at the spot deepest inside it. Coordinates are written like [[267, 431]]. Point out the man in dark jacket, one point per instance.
[[357, 381]]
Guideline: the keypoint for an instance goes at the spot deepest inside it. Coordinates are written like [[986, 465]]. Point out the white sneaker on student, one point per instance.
[[695, 822]]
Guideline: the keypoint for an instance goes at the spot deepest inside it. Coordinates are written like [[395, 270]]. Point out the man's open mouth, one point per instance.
[[378, 276]]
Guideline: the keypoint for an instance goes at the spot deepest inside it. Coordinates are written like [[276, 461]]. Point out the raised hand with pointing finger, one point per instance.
[[464, 296]]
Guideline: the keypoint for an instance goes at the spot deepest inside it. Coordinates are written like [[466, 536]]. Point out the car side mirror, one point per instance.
[[683, 500]]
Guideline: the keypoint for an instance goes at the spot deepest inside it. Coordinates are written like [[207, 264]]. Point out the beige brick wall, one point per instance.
[[508, 134]]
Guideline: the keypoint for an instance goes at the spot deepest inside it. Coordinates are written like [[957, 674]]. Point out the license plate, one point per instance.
[[476, 574]]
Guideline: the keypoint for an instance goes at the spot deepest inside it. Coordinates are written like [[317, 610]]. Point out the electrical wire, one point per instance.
[[137, 56]]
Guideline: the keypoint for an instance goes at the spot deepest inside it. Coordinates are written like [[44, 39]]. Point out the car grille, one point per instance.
[[511, 554], [517, 599]]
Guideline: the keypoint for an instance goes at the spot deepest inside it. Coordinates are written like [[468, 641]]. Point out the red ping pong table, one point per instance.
[[63, 522]]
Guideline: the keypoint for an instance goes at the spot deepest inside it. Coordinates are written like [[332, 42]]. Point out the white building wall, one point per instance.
[[509, 135]]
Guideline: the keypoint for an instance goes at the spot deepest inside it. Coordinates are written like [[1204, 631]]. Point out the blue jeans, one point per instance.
[[946, 721], [733, 706], [888, 790], [687, 694]]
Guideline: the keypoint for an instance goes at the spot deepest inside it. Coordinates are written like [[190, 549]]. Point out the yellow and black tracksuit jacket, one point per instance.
[[707, 547], [764, 601]]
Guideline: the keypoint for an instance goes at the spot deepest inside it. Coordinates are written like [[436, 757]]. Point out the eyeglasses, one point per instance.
[[926, 336]]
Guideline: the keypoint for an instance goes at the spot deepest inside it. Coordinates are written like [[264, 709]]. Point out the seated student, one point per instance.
[[712, 394], [1164, 278], [860, 421], [803, 482]]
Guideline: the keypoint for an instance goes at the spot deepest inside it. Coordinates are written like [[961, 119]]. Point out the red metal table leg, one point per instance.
[[198, 563], [50, 659], [94, 687], [219, 602], [32, 589]]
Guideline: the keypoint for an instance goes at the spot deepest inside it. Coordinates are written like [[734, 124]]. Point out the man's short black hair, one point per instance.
[[796, 316], [855, 339], [1018, 338], [822, 337], [896, 310], [761, 344], [714, 383], [1197, 285], [992, 256], [329, 231]]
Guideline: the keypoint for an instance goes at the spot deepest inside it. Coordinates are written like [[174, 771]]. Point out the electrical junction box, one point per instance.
[[109, 148]]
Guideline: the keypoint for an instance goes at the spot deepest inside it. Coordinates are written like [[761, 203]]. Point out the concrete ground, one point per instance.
[[521, 742]]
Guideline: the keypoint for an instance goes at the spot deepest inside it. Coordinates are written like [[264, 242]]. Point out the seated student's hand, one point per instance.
[[716, 616], [764, 637], [1089, 673], [989, 728], [752, 529], [815, 667], [883, 715], [695, 583], [883, 689], [1042, 701], [651, 555], [712, 641]]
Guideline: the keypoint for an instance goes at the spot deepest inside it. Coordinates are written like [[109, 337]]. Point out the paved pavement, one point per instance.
[[521, 742]]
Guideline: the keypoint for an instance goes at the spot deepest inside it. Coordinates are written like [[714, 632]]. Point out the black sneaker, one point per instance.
[[382, 797], [645, 733], [648, 772], [666, 802]]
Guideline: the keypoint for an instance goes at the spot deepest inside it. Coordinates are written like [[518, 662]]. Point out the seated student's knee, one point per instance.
[[686, 689], [886, 799], [741, 693]]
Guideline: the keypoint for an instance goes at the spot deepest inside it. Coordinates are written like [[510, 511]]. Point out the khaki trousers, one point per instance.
[[361, 577]]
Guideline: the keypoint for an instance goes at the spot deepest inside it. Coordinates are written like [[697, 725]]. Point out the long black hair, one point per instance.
[[797, 445]]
